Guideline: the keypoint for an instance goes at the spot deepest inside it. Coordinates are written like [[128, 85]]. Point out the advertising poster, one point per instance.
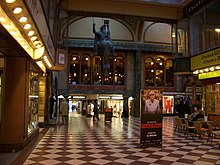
[[151, 118]]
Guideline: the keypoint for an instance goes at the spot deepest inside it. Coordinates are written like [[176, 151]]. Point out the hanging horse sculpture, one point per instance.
[[103, 46], [105, 49]]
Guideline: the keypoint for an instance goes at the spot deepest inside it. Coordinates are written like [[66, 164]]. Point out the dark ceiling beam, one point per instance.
[[103, 7]]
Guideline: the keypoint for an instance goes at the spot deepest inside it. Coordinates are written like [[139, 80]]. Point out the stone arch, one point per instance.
[[81, 28]]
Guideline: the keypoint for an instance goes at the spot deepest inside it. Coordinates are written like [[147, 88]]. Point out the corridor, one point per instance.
[[83, 142]]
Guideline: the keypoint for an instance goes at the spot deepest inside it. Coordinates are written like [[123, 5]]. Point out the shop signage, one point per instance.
[[207, 59], [209, 75], [151, 118]]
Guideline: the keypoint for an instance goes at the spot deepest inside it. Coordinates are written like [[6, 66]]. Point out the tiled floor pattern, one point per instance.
[[84, 142]]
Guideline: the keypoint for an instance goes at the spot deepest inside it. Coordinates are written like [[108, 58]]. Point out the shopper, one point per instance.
[[64, 110], [95, 110]]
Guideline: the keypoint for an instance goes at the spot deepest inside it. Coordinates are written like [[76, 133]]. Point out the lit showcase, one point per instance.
[[87, 70], [168, 102], [211, 98], [33, 101]]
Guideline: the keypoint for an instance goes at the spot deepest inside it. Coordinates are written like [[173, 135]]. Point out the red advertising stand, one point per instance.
[[108, 114], [151, 118]]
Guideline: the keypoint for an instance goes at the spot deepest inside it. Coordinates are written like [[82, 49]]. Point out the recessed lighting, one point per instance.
[[36, 42], [31, 33], [38, 45], [13, 33], [19, 39], [2, 19], [8, 26], [10, 1], [17, 10], [23, 19], [212, 69], [217, 30], [33, 38], [27, 26]]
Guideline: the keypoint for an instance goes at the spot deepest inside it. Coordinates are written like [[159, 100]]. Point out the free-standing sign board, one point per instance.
[[151, 118], [108, 114]]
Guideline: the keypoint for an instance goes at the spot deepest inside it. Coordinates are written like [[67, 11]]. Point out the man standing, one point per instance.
[[152, 105], [64, 110], [95, 110]]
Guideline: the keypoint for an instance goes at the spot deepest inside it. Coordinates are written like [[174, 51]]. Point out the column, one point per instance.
[[125, 106], [193, 92], [137, 83]]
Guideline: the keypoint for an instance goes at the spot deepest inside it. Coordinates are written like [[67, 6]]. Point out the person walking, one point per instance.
[[95, 110], [64, 110]]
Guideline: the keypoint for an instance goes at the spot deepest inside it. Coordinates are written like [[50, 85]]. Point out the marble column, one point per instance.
[[137, 83]]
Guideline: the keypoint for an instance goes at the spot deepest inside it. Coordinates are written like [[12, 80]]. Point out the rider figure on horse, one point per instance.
[[103, 34], [103, 46]]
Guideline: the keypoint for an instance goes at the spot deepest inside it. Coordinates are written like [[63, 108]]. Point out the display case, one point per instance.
[[211, 98], [33, 101], [168, 104]]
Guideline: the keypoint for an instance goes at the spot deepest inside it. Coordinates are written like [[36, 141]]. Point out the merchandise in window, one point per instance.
[[33, 101]]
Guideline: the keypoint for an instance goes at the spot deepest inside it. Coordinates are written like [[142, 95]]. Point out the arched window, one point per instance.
[[119, 71], [149, 72], [86, 70], [169, 73], [159, 72], [109, 80], [96, 70], [74, 70]]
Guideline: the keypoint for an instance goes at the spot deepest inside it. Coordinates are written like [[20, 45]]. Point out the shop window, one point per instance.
[[149, 72], [1, 76], [33, 101], [74, 70], [196, 25], [159, 72], [169, 73], [119, 71], [212, 24], [109, 80], [86, 70], [96, 70]]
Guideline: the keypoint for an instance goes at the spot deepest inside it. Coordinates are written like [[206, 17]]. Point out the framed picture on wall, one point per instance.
[[61, 58]]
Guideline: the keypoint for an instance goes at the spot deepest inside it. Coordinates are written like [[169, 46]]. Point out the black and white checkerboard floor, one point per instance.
[[83, 142]]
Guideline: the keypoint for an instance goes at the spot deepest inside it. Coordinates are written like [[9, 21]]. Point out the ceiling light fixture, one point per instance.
[[217, 30], [23, 19], [33, 38], [31, 33], [17, 10], [38, 45], [36, 42], [27, 26], [10, 1]]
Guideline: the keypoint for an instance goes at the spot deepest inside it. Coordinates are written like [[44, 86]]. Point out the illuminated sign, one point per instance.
[[207, 59], [209, 75]]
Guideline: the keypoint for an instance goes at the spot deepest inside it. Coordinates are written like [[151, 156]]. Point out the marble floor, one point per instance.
[[84, 142]]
